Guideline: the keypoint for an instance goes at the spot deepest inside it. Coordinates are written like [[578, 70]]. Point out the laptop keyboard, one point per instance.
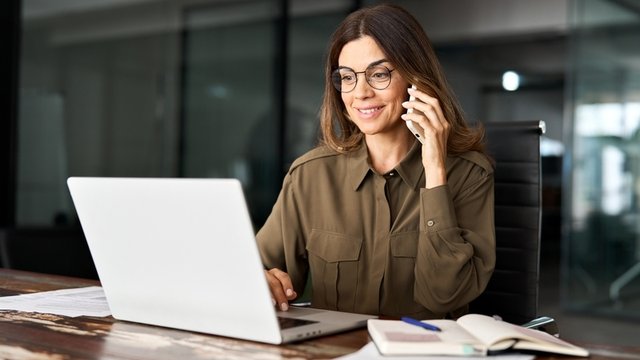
[[286, 323]]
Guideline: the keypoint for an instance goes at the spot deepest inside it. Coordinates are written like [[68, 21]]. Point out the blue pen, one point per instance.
[[423, 325]]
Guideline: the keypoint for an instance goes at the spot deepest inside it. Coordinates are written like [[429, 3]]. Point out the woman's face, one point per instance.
[[373, 111]]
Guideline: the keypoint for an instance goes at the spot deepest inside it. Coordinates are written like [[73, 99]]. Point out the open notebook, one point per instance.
[[181, 253]]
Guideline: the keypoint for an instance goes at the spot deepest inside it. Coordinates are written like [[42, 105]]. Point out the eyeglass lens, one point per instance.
[[345, 79]]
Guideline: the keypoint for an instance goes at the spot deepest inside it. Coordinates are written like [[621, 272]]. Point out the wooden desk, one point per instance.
[[51, 337]]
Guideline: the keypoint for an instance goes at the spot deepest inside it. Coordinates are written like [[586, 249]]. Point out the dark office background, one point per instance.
[[193, 89], [10, 36], [224, 88]]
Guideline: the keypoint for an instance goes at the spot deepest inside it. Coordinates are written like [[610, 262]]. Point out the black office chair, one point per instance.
[[512, 292]]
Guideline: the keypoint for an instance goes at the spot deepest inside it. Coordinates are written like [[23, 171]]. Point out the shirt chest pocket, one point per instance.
[[334, 258], [401, 275], [405, 245], [404, 249]]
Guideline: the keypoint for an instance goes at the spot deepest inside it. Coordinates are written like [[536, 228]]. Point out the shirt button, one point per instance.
[[430, 223]]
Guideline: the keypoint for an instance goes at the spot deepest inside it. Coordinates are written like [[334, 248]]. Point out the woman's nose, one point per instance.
[[363, 90]]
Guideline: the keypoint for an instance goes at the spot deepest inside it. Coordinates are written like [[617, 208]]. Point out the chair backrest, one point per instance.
[[512, 292]]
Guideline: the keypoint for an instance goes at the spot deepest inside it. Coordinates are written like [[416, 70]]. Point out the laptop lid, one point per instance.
[[181, 253]]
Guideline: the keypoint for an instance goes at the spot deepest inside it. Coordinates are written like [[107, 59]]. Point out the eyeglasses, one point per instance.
[[344, 79]]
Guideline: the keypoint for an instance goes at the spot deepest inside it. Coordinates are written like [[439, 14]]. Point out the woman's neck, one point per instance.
[[385, 153]]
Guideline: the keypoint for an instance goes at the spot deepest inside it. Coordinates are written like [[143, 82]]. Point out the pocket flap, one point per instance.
[[405, 244], [333, 247]]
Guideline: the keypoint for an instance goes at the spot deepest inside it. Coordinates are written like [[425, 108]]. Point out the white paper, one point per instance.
[[85, 301], [370, 351]]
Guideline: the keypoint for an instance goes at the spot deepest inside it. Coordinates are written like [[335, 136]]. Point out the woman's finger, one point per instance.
[[423, 101], [281, 287]]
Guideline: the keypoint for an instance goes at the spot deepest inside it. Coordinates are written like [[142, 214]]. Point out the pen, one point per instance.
[[423, 325]]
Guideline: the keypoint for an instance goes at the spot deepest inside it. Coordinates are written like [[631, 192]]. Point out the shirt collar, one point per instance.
[[410, 168], [358, 166]]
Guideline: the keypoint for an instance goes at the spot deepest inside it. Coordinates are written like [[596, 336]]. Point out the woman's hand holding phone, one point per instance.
[[412, 127], [432, 129]]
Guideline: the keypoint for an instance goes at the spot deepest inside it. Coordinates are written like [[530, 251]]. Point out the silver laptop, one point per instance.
[[181, 253]]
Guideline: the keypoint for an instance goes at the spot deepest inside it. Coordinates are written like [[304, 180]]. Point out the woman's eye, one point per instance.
[[380, 76], [347, 77]]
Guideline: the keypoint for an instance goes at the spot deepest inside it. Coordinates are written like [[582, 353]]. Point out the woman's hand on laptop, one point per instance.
[[281, 288]]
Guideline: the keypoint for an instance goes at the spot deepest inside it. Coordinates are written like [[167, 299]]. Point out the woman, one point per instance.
[[382, 223]]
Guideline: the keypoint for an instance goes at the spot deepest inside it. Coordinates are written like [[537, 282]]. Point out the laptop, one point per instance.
[[181, 253]]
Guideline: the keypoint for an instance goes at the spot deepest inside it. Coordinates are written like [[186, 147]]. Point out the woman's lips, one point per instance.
[[369, 111]]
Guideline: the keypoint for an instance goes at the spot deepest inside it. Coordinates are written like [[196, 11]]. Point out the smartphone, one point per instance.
[[411, 125]]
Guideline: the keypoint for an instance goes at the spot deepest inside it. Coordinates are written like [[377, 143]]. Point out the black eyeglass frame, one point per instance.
[[336, 77]]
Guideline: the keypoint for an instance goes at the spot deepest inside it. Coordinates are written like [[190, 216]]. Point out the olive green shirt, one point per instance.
[[383, 244]]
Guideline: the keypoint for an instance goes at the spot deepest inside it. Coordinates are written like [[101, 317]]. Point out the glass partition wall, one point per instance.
[[602, 215], [214, 88]]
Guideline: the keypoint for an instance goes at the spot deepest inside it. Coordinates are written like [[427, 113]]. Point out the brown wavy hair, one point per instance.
[[407, 47]]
